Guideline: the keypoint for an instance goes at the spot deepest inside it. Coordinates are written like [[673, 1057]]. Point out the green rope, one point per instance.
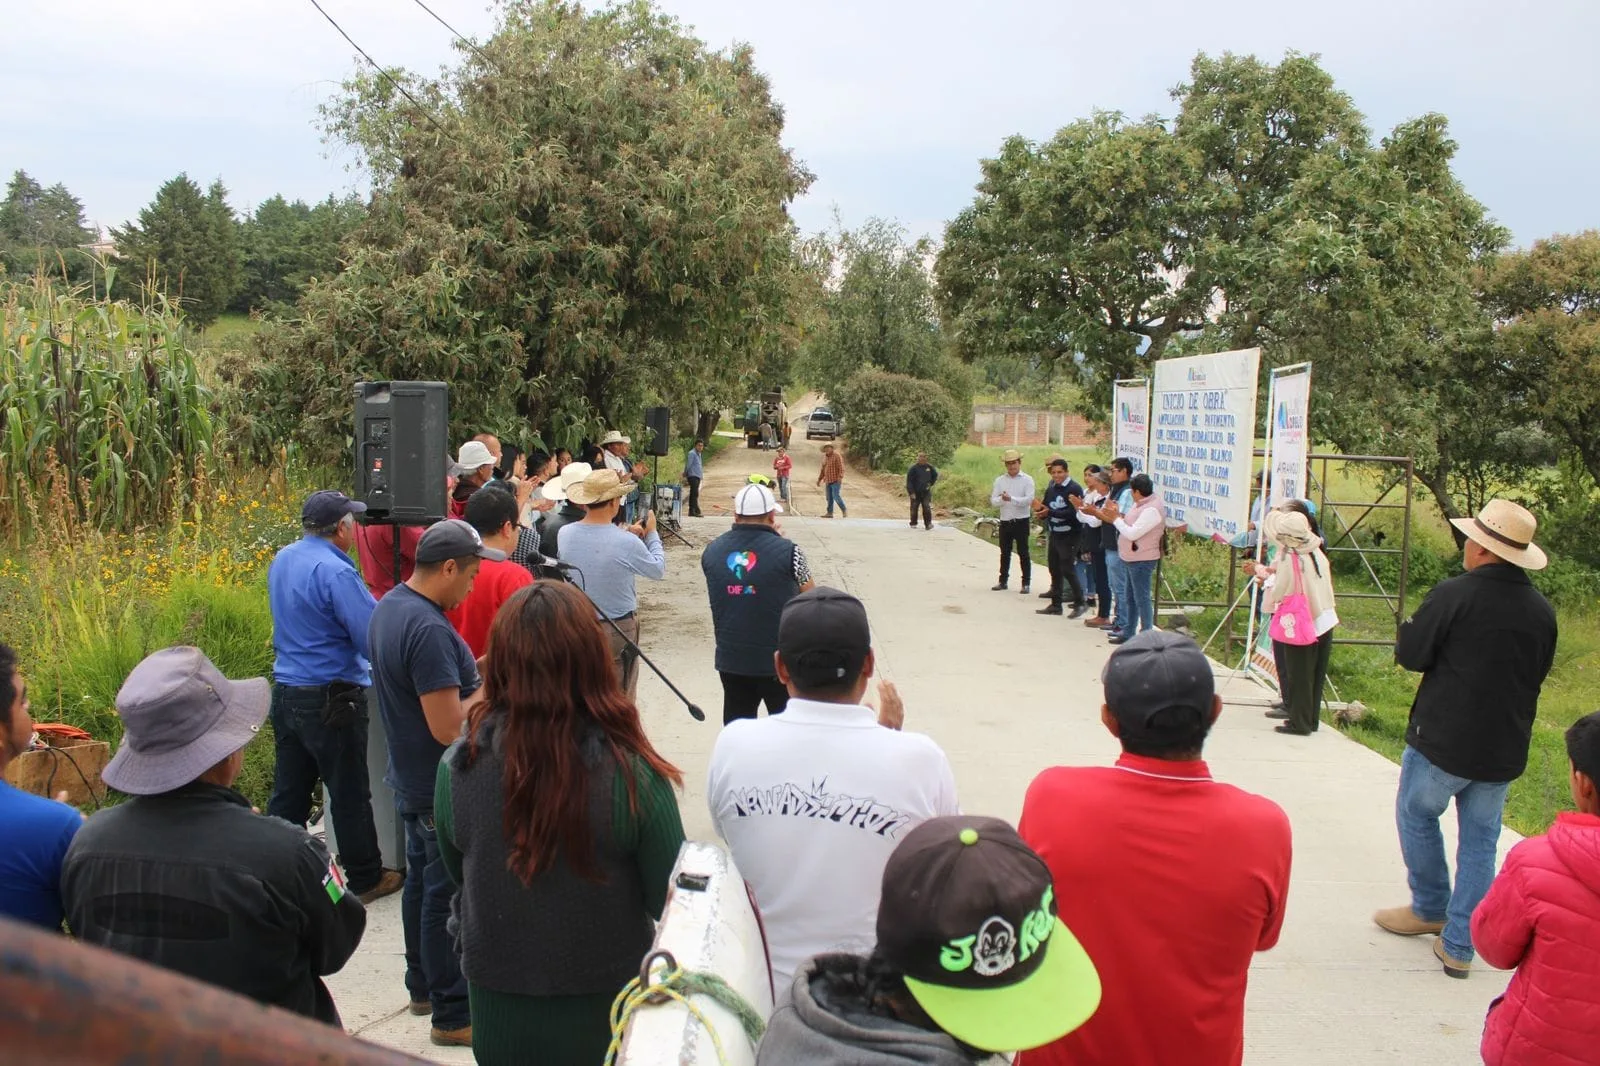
[[678, 985]]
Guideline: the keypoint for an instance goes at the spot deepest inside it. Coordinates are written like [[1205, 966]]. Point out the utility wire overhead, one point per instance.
[[481, 53], [384, 74]]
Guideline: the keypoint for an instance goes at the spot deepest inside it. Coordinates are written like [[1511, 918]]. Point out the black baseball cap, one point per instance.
[[454, 539], [1154, 672], [968, 916], [824, 638], [327, 507]]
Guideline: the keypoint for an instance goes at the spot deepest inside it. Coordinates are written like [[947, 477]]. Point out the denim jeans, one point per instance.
[[308, 750], [1141, 576], [1085, 571], [1425, 791], [835, 496], [783, 489], [1117, 576], [433, 970]]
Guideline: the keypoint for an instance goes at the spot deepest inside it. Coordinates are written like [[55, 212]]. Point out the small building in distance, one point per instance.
[[1014, 426]]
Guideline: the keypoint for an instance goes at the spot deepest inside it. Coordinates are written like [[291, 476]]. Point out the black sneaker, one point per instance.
[[1054, 608], [1078, 609], [999, 588], [1026, 589]]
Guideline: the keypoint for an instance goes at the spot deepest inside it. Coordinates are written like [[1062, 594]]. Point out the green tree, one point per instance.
[[1547, 300], [184, 247], [892, 417], [1264, 215], [285, 245], [42, 227], [590, 209]]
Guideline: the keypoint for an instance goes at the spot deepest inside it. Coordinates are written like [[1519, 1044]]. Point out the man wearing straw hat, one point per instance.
[[1484, 642], [185, 875], [568, 512], [605, 558]]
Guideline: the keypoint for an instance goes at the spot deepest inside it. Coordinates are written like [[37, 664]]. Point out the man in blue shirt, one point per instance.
[[605, 559], [693, 470], [425, 676], [36, 831], [320, 613]]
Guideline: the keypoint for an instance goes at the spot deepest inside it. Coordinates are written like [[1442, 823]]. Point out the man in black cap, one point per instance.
[[812, 801], [425, 675], [320, 673], [185, 875], [1177, 880]]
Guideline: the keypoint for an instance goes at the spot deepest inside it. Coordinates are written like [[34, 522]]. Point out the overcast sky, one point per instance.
[[891, 103]]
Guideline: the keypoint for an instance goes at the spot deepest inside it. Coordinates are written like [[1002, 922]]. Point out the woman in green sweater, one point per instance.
[[557, 819]]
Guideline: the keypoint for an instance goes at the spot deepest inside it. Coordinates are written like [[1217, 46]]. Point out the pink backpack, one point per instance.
[[1292, 622]]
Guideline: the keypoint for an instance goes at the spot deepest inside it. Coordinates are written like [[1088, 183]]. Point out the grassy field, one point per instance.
[[1196, 571]]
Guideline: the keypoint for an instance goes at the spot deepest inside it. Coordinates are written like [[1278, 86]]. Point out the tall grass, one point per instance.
[[103, 416]]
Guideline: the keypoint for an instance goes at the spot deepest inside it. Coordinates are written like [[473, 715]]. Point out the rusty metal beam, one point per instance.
[[63, 1003]]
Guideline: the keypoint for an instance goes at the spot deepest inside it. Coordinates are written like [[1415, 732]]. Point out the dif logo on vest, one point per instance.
[[742, 564]]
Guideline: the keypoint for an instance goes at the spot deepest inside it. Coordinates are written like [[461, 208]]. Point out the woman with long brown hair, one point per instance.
[[557, 819]]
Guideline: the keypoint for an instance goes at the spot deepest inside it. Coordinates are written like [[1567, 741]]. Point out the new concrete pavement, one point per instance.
[[1007, 693]]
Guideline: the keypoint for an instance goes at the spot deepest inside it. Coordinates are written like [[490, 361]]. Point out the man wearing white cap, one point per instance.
[[476, 463], [751, 572], [1484, 642], [185, 875]]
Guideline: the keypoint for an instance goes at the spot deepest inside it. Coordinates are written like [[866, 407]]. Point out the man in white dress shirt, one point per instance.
[[1013, 495]]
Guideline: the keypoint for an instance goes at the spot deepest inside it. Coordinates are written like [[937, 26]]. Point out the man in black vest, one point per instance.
[[751, 572], [1054, 508]]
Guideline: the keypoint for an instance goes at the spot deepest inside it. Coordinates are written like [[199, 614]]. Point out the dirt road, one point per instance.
[[866, 495]]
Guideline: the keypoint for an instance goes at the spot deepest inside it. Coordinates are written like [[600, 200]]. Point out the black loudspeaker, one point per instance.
[[658, 426], [402, 445]]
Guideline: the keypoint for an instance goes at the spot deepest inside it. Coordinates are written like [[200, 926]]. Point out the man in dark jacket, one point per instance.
[[751, 572], [1483, 642], [185, 875], [920, 480], [1060, 517], [568, 512]]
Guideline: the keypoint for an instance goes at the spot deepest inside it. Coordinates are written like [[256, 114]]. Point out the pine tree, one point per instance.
[[186, 246]]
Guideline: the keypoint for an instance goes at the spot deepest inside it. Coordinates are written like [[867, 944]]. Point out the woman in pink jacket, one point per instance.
[[1542, 916]]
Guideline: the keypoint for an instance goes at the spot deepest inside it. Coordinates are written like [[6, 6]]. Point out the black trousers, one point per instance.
[[743, 696], [1062, 558], [694, 497], [923, 500], [1102, 583], [1014, 534], [1308, 674]]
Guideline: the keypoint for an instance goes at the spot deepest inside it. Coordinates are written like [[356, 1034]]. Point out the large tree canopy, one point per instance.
[[589, 211], [1262, 214], [185, 247], [42, 227]]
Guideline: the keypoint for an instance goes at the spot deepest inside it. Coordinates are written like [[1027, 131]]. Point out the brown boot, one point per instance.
[[1403, 921], [1453, 967], [451, 1037], [389, 882]]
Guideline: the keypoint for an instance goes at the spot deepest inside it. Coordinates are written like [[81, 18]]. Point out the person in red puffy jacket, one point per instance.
[[1542, 916]]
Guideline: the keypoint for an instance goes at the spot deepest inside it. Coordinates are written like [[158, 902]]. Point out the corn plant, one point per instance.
[[104, 420]]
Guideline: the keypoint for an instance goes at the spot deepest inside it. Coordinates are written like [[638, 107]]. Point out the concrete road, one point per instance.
[[1007, 693]]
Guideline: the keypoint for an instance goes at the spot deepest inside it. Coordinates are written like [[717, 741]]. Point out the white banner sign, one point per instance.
[[1203, 439], [1291, 416], [1130, 422]]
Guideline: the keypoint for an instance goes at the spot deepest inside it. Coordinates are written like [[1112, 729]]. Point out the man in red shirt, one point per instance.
[[1176, 880], [493, 513]]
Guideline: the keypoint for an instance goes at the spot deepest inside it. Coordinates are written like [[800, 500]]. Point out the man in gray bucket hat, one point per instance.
[[186, 875]]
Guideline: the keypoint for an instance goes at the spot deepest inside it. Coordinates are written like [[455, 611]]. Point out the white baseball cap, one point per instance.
[[755, 500], [475, 454]]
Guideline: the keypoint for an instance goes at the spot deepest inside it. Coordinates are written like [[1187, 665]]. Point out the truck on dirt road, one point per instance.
[[765, 421]]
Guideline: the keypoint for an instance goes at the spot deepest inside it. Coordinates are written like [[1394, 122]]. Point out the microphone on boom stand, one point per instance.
[[562, 569]]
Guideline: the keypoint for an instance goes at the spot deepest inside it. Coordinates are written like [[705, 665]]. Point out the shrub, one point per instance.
[[889, 418]]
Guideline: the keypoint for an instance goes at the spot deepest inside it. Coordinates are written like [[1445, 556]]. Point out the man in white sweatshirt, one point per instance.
[[1013, 495]]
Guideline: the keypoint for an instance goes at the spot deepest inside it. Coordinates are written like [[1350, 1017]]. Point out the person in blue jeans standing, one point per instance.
[[1119, 497], [426, 679], [320, 613], [1139, 531], [1484, 642]]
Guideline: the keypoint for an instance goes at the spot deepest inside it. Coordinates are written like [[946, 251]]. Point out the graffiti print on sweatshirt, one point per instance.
[[795, 801]]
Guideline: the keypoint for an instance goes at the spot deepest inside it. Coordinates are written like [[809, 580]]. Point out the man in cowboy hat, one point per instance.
[[614, 449], [605, 558], [1013, 494], [568, 512], [1484, 642], [185, 875]]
